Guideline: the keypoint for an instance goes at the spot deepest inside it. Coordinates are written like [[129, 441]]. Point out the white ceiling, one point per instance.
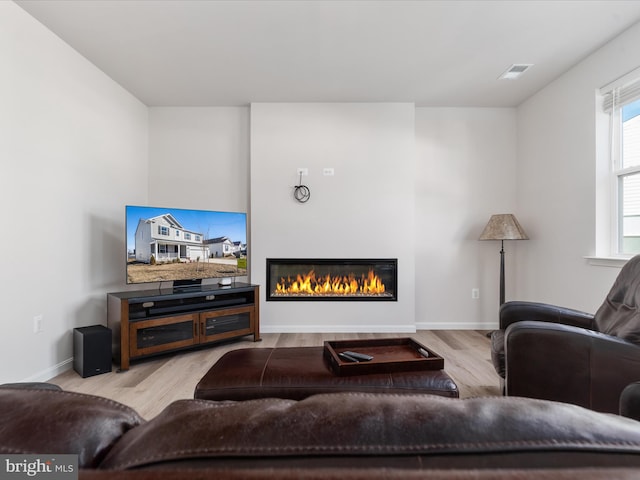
[[433, 53]]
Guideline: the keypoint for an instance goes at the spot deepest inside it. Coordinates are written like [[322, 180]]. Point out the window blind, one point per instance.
[[621, 95]]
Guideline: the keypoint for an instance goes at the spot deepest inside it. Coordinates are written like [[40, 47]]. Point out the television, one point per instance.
[[184, 246]]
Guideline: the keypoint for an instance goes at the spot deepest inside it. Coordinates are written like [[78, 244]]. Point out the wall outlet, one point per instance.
[[302, 171], [475, 293], [37, 323], [328, 172]]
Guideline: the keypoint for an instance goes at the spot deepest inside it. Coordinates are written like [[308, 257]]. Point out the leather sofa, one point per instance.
[[342, 435], [555, 353]]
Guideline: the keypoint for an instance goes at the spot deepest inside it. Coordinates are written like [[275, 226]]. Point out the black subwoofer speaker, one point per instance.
[[91, 350]]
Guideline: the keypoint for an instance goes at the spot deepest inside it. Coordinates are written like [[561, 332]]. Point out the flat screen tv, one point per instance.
[[184, 246]]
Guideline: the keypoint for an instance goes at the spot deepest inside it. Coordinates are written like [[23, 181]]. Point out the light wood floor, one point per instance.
[[150, 385]]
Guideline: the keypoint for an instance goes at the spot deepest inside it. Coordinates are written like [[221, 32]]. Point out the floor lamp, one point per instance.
[[503, 227]]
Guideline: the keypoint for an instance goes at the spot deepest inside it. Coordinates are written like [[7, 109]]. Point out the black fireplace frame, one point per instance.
[[393, 297]]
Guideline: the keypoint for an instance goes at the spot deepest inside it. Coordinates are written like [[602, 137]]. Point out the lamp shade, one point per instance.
[[503, 226]]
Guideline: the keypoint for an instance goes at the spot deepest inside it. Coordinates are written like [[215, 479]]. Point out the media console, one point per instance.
[[148, 322]]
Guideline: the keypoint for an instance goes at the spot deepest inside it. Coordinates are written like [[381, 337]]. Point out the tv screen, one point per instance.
[[184, 246]]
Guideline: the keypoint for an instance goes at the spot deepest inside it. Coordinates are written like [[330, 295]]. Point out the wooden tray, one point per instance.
[[389, 355]]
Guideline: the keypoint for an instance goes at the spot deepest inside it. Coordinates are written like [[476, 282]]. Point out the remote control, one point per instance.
[[347, 357], [363, 357]]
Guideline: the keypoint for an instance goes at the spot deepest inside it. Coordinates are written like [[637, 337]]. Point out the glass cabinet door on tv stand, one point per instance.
[[147, 337]]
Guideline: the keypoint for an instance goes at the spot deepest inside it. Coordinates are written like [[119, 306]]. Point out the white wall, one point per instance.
[[465, 173], [366, 210], [73, 150], [199, 157], [556, 180]]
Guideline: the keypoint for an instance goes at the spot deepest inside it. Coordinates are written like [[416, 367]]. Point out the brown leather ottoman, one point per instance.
[[299, 372]]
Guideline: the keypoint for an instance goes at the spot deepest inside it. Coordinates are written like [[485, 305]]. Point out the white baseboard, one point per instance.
[[336, 329], [51, 372], [378, 328]]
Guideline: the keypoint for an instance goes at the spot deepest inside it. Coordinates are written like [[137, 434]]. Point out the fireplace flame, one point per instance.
[[309, 284]]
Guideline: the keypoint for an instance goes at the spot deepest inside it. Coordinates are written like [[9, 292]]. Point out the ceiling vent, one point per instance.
[[515, 71]]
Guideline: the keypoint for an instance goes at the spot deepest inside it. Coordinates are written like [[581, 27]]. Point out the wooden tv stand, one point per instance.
[[148, 322]]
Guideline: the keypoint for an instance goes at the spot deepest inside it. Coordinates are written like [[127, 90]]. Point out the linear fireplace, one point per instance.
[[299, 279]]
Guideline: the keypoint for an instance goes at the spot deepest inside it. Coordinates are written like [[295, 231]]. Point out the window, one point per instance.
[[163, 230], [187, 236], [623, 106], [628, 179]]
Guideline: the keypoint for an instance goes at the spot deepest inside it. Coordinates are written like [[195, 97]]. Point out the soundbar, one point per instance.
[[226, 302]]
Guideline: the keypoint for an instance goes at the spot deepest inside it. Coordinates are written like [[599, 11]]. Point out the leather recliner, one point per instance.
[[554, 353]]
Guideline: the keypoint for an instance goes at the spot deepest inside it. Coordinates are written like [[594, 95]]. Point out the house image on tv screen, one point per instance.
[[165, 239], [221, 247]]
